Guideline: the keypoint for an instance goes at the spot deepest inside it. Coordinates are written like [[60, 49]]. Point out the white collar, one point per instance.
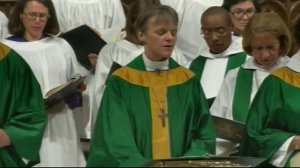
[[294, 64], [251, 64], [234, 47], [155, 66]]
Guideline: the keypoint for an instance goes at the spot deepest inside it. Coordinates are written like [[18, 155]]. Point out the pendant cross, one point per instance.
[[162, 115]]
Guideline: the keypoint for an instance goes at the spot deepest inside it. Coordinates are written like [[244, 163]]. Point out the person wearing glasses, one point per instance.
[[240, 13], [3, 25], [223, 51], [22, 114], [267, 40], [33, 25], [273, 129]]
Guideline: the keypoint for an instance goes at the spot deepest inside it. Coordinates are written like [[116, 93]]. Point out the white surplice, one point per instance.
[[215, 67], [222, 105], [121, 52], [106, 16], [53, 62], [189, 40], [3, 26]]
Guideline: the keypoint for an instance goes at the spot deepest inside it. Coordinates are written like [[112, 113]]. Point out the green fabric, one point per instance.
[[197, 66], [22, 114], [273, 117], [242, 94], [122, 134], [234, 61]]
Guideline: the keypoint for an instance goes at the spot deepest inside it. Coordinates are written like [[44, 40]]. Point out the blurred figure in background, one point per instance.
[[240, 13]]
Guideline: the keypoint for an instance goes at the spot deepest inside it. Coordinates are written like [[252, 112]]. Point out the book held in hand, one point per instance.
[[84, 41], [59, 93], [228, 129]]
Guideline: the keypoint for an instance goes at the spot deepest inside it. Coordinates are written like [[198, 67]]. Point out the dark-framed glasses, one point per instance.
[[239, 13], [206, 33], [33, 16]]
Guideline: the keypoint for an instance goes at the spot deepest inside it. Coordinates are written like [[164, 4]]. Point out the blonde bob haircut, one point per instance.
[[267, 22]]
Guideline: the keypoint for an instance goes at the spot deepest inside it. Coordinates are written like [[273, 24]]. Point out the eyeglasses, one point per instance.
[[239, 13], [218, 32], [33, 16]]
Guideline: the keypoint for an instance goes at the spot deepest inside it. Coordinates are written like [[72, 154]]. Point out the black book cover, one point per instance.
[[228, 129], [84, 41]]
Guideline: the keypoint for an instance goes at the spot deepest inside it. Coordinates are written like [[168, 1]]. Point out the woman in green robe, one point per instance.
[[22, 115], [273, 129], [152, 108]]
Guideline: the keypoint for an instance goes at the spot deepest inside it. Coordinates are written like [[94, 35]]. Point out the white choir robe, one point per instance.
[[215, 67], [3, 26], [106, 16], [53, 63], [222, 106], [121, 52], [189, 38], [211, 2]]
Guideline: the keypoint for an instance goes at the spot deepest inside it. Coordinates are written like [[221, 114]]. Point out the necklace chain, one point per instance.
[[162, 114]]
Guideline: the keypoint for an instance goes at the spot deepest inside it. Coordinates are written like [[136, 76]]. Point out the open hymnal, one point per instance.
[[228, 129], [61, 92]]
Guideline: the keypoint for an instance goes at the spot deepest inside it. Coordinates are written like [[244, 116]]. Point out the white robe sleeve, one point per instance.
[[101, 15], [280, 158], [3, 26], [222, 106]]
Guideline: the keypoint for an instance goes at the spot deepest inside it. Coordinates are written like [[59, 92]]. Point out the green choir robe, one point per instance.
[[128, 130], [274, 114], [22, 114]]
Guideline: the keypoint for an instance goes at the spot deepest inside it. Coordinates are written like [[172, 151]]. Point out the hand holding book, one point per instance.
[[64, 91]]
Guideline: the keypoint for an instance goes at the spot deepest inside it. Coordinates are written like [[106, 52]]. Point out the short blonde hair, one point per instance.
[[267, 22]]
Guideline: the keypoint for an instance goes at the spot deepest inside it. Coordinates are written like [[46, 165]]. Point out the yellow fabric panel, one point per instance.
[[289, 76], [157, 83], [4, 50], [175, 76]]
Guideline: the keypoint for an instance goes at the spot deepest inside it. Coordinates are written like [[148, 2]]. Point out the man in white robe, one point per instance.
[[189, 39], [223, 51]]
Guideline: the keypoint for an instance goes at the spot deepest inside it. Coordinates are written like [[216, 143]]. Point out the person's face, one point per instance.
[[159, 39], [265, 49], [241, 13], [216, 32], [34, 18]]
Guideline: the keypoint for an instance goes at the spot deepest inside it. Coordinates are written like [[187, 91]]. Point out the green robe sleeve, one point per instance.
[[112, 142], [266, 128], [22, 114], [204, 140]]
